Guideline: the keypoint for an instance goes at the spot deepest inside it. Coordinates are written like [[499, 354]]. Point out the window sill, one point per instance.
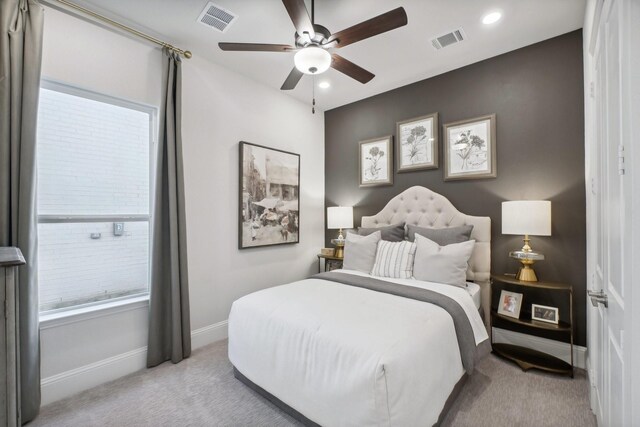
[[53, 320]]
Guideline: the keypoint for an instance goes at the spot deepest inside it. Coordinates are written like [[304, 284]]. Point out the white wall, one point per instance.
[[220, 108]]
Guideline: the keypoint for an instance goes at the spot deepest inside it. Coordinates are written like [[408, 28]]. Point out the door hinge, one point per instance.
[[620, 159]]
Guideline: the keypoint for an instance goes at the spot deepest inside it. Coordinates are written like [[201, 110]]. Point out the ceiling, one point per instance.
[[397, 58]]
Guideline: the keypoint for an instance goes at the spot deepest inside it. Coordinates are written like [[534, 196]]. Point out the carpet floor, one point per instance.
[[202, 391]]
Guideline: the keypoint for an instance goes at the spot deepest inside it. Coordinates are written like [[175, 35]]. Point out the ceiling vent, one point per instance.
[[216, 17], [448, 39]]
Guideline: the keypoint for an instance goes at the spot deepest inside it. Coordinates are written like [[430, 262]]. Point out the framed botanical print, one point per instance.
[[269, 211], [417, 143], [470, 148], [376, 162]]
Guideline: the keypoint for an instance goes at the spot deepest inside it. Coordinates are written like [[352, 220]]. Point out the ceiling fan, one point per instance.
[[313, 40]]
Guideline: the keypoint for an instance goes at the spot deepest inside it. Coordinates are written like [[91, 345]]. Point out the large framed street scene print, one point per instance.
[[269, 212]]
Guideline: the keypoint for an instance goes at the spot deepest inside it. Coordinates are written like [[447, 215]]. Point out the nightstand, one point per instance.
[[526, 357], [330, 262]]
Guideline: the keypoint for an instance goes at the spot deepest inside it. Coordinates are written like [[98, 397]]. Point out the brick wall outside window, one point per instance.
[[93, 159]]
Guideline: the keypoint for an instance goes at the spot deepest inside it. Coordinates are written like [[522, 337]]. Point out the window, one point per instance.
[[94, 169]]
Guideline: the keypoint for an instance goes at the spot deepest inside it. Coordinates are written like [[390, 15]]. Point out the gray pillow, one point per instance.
[[442, 264], [391, 233], [360, 252], [442, 236]]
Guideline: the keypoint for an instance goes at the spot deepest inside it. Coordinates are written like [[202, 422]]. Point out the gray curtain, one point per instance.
[[169, 325], [21, 23]]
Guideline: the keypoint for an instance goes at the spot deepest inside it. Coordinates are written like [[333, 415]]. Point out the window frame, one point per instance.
[[118, 303]]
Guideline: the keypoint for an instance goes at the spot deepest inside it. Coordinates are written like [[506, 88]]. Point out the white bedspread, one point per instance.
[[347, 356]]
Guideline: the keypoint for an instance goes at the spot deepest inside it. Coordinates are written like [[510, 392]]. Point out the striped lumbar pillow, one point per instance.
[[394, 259]]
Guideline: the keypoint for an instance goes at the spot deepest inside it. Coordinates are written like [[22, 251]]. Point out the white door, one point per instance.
[[610, 219]]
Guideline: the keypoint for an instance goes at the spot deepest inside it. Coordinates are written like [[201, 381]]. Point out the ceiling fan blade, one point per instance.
[[256, 47], [292, 79], [350, 69], [372, 27], [300, 17]]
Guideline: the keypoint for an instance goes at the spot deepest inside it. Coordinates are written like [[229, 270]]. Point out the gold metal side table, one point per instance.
[[330, 262]]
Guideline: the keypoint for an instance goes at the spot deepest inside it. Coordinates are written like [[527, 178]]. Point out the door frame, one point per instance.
[[631, 127]]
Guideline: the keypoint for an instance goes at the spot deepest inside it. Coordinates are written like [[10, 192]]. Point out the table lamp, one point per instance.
[[528, 218], [339, 217]]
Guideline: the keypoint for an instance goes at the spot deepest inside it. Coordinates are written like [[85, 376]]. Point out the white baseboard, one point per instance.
[[70, 382], [561, 350], [209, 334]]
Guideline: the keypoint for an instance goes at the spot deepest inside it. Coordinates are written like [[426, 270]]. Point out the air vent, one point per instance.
[[448, 39], [216, 17]]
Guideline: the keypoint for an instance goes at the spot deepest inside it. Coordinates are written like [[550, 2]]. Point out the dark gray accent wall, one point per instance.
[[537, 95]]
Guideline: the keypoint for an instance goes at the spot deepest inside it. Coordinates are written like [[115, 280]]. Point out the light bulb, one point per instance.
[[312, 60]]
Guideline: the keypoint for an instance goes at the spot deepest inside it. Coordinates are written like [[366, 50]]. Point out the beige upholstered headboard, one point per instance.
[[425, 208]]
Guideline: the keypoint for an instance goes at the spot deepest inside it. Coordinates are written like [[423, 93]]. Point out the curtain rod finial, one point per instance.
[[188, 54]]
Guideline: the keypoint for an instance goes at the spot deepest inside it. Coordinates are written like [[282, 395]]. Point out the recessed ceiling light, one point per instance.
[[324, 85], [491, 18]]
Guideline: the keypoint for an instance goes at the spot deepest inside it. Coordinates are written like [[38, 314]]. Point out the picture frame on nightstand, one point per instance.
[[510, 304], [544, 313]]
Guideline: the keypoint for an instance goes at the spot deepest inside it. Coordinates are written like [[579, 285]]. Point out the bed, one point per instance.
[[344, 348]]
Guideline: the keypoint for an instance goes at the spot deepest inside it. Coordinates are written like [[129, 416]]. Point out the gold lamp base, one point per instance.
[[527, 258], [526, 272], [339, 252], [339, 243]]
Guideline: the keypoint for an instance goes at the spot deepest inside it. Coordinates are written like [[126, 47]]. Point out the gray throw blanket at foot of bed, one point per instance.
[[469, 351]]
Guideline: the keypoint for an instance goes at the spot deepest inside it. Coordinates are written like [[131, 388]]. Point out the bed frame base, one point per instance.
[[307, 422], [452, 398], [271, 398]]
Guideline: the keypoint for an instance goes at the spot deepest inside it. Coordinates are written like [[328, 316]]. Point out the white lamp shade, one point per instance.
[[312, 60], [527, 217], [340, 217]]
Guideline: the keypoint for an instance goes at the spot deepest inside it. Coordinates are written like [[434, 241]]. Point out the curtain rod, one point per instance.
[[187, 54]]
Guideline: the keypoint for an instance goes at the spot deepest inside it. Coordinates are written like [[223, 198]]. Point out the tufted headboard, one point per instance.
[[425, 208]]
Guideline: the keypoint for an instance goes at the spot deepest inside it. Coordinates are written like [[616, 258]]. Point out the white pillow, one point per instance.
[[360, 251], [442, 264], [394, 259]]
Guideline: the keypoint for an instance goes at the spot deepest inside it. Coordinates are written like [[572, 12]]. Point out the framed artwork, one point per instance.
[[509, 304], [544, 313], [470, 148], [376, 162], [417, 143], [269, 203]]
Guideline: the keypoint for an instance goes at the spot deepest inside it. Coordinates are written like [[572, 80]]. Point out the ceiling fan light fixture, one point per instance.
[[312, 60]]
